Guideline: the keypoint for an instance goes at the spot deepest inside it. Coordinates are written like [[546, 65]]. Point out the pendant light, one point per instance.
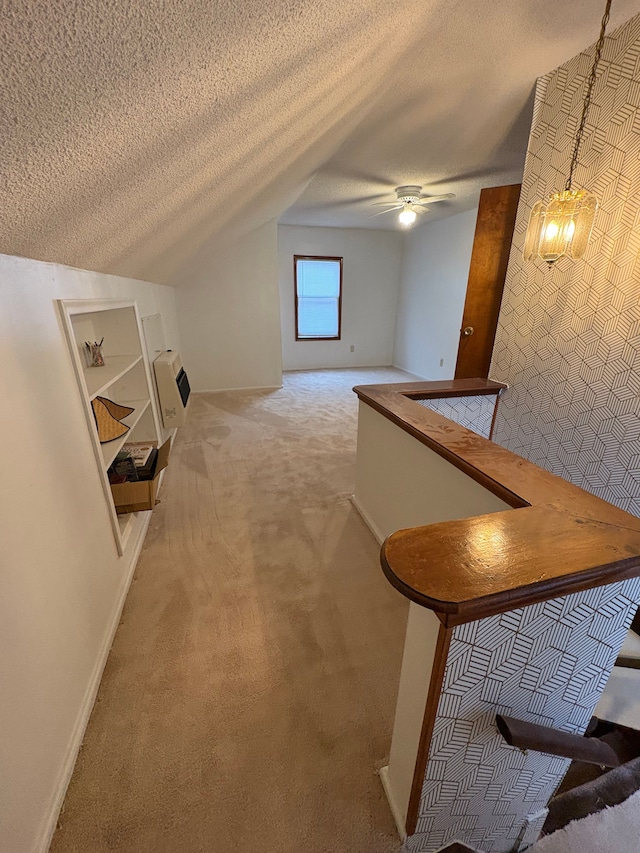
[[561, 226]]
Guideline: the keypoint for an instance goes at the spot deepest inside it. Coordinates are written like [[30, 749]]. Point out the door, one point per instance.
[[489, 258]]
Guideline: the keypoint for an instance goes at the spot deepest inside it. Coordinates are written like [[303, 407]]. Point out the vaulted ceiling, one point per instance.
[[137, 135]]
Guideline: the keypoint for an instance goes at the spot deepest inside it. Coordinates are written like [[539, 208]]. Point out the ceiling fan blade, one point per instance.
[[433, 198], [386, 204], [380, 212]]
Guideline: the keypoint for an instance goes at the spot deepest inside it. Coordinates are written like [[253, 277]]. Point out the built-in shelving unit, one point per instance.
[[125, 378]]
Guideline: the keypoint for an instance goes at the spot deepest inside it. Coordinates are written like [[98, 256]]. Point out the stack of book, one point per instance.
[[136, 461]]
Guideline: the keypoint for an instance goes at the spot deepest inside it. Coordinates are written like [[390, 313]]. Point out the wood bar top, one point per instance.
[[558, 539]]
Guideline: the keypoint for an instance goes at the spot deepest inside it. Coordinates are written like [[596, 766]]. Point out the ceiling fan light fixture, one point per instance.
[[561, 226], [409, 202], [407, 216]]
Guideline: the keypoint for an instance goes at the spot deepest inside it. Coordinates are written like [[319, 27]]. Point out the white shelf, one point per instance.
[[98, 379], [110, 448]]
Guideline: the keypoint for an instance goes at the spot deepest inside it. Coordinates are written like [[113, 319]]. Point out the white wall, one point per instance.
[[435, 270], [370, 281], [229, 318], [62, 579]]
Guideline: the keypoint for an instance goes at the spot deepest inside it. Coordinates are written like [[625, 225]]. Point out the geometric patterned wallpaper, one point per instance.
[[477, 788], [474, 413], [568, 340]]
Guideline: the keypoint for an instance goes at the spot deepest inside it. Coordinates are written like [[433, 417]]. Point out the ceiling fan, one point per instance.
[[410, 201]]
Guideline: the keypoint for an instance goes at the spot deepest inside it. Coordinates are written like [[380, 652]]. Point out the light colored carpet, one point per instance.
[[250, 692], [614, 830]]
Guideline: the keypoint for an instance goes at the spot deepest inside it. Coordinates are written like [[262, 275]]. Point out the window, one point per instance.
[[318, 293]]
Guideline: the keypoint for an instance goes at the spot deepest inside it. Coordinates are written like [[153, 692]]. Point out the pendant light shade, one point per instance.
[[561, 226]]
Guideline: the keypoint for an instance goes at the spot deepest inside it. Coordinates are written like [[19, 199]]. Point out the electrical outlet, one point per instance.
[[442, 362], [352, 348]]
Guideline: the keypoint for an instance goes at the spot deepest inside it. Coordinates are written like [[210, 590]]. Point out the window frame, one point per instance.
[[297, 258]]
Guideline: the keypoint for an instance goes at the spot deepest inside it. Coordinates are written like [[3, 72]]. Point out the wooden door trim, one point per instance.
[[487, 272]]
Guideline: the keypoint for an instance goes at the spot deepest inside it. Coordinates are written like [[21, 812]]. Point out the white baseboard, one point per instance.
[[383, 773], [418, 376], [337, 367], [240, 388], [364, 515], [50, 821]]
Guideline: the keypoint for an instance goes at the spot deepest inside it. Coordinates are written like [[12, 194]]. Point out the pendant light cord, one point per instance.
[[587, 97]]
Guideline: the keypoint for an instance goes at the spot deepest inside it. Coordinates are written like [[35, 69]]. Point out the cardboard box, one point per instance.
[[140, 496]]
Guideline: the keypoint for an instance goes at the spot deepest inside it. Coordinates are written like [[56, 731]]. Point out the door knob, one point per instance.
[[467, 331]]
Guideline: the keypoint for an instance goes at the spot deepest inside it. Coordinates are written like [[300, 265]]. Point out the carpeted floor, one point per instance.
[[614, 830], [250, 692]]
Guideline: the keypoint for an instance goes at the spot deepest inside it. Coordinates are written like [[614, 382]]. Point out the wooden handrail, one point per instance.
[[560, 540], [440, 389], [526, 735]]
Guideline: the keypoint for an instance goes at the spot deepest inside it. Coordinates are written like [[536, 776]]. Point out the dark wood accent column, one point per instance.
[[489, 259]]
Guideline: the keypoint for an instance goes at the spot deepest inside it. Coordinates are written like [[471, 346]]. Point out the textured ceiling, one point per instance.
[[135, 136]]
